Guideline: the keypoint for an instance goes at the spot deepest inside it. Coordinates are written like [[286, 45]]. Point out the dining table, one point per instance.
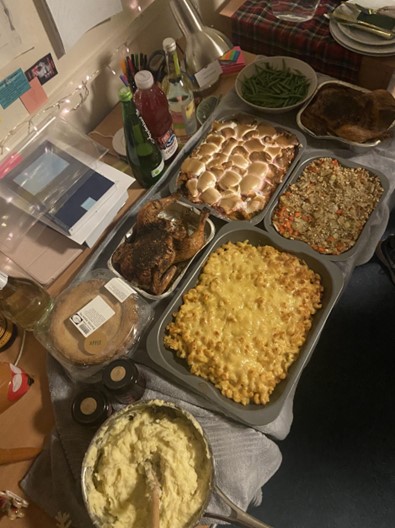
[[35, 420], [252, 26]]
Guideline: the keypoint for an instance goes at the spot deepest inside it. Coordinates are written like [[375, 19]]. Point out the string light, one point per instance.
[[62, 106]]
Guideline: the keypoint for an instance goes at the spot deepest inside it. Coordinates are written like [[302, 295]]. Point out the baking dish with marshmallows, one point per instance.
[[238, 166]]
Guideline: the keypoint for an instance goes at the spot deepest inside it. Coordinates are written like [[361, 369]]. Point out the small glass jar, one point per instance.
[[123, 380], [90, 407]]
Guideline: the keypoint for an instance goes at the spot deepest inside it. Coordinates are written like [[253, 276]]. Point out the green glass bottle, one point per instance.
[[144, 155]]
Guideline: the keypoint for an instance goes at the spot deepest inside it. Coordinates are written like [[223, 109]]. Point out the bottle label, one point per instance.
[[184, 121], [92, 316], [143, 124], [6, 331], [158, 169], [168, 144]]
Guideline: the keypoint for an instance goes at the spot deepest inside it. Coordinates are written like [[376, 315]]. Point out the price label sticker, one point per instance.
[[119, 289], [92, 316]]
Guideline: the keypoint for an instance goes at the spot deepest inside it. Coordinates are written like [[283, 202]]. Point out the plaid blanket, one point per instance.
[[255, 29]]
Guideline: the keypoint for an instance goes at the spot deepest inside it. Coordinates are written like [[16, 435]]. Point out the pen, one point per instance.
[[123, 65], [124, 79], [131, 73]]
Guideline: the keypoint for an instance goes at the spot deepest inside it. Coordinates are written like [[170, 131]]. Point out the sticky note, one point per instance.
[[230, 56], [12, 87], [34, 98]]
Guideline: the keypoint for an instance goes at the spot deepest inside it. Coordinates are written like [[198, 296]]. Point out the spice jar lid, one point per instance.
[[90, 407], [120, 374]]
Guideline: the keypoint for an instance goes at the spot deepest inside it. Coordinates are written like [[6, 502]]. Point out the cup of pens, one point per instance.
[[131, 63]]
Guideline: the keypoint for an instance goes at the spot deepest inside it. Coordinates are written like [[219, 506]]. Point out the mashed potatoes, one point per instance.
[[118, 485]]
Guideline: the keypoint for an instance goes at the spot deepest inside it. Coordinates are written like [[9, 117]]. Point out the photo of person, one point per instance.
[[44, 69]]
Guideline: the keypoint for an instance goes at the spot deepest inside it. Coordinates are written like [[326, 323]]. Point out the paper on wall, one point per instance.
[[12, 40], [74, 18]]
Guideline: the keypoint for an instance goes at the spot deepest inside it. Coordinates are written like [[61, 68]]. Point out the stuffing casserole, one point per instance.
[[328, 205]]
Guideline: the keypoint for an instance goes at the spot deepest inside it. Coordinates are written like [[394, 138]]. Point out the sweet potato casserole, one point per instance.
[[238, 166], [244, 323], [328, 205]]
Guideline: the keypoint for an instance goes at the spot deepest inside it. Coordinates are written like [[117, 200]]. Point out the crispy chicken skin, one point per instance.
[[350, 114], [150, 256]]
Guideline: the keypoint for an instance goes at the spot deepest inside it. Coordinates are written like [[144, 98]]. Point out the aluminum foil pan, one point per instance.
[[201, 135], [364, 236], [151, 471], [177, 370], [352, 144], [191, 217]]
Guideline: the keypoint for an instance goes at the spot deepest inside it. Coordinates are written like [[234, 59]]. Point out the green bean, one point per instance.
[[275, 87]]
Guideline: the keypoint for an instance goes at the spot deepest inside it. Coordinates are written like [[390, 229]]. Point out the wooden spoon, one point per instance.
[[17, 454], [154, 486]]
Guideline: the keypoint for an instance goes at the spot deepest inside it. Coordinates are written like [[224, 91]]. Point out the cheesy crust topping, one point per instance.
[[244, 323]]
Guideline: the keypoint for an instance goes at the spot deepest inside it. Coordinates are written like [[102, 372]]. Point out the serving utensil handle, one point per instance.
[[238, 516], [349, 21]]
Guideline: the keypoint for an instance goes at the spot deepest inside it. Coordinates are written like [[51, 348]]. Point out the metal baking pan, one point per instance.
[[353, 144], [176, 369], [191, 217], [365, 232], [205, 130]]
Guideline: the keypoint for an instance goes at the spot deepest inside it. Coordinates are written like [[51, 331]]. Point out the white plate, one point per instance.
[[363, 49], [118, 142], [363, 37]]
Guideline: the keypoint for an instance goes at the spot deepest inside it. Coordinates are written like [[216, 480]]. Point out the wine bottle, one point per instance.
[[8, 333], [144, 156], [23, 301], [179, 93]]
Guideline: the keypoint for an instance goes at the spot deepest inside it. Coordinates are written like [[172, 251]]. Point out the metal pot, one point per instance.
[[237, 515]]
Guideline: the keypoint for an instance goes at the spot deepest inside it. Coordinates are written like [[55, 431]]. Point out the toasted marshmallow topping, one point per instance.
[[238, 166]]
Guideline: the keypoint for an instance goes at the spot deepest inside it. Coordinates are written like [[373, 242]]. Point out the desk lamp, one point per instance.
[[203, 44]]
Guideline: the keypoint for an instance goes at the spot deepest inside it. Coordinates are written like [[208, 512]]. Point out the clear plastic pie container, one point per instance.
[[95, 320]]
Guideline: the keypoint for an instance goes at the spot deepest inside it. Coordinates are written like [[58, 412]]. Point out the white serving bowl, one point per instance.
[[295, 65]]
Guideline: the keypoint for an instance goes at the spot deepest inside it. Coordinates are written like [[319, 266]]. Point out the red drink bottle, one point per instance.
[[153, 106]]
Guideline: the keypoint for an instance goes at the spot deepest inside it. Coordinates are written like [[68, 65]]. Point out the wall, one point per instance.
[[143, 26]]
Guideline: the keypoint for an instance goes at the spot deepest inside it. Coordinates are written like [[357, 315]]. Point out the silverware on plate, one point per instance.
[[352, 21]]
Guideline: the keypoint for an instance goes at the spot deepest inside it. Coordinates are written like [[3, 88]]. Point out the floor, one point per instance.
[[338, 467]]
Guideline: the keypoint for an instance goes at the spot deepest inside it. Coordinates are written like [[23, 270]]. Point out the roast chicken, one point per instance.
[[351, 114], [150, 256]]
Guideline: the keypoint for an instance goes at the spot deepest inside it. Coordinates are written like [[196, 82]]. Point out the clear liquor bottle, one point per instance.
[[144, 155], [23, 301], [179, 93]]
